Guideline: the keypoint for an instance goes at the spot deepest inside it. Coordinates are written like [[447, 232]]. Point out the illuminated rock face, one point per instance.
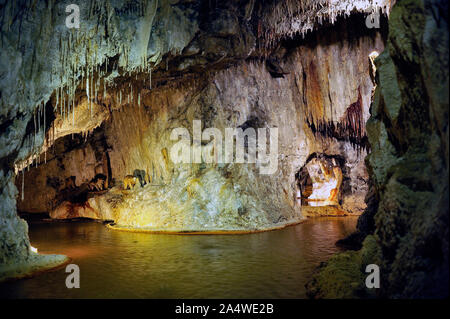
[[407, 220], [48, 65], [332, 185], [220, 196], [408, 128], [326, 183]]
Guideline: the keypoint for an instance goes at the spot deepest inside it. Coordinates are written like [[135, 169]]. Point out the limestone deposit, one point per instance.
[[359, 133]]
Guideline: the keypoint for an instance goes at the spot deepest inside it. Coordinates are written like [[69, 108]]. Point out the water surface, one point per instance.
[[116, 264]]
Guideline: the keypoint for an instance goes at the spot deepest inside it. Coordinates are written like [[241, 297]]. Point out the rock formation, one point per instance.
[[206, 196], [105, 99], [408, 164], [58, 81]]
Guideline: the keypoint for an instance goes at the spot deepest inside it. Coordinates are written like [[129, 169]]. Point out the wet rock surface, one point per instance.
[[55, 82], [408, 131], [343, 275], [408, 165], [220, 196]]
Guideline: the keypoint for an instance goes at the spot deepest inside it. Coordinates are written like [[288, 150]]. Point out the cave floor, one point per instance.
[[36, 264], [326, 211], [115, 264]]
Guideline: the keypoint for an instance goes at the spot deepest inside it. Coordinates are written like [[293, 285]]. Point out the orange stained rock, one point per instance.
[[325, 171], [335, 191], [130, 181]]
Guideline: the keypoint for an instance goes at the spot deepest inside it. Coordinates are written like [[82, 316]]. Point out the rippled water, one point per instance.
[[115, 264]]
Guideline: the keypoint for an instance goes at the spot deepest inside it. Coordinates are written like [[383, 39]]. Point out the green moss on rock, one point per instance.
[[343, 276]]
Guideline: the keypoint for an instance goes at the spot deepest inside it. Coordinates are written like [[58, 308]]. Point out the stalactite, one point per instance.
[[45, 140], [34, 141], [39, 119], [80, 59], [350, 128], [61, 103], [57, 99], [53, 137], [23, 183], [67, 109], [92, 89], [87, 89], [286, 19]]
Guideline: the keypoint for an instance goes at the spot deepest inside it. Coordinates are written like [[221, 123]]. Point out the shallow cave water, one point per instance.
[[237, 149], [177, 266]]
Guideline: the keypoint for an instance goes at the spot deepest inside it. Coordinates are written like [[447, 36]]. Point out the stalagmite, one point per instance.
[[351, 128]]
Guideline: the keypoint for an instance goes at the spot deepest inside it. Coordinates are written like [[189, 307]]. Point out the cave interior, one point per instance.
[[94, 118]]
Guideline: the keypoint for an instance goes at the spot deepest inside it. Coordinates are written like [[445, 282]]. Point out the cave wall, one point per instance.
[[318, 86], [45, 182], [38, 59], [408, 131], [405, 226], [230, 98], [40, 54]]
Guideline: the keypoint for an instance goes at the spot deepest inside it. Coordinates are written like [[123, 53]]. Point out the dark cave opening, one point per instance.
[[313, 178]]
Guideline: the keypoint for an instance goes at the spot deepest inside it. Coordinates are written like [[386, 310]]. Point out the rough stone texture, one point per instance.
[[16, 258], [293, 17], [32, 265], [408, 205], [39, 54], [343, 276], [41, 60], [13, 244], [225, 196], [408, 131], [44, 186], [325, 211]]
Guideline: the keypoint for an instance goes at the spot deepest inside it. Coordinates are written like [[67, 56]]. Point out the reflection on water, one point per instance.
[[115, 264]]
